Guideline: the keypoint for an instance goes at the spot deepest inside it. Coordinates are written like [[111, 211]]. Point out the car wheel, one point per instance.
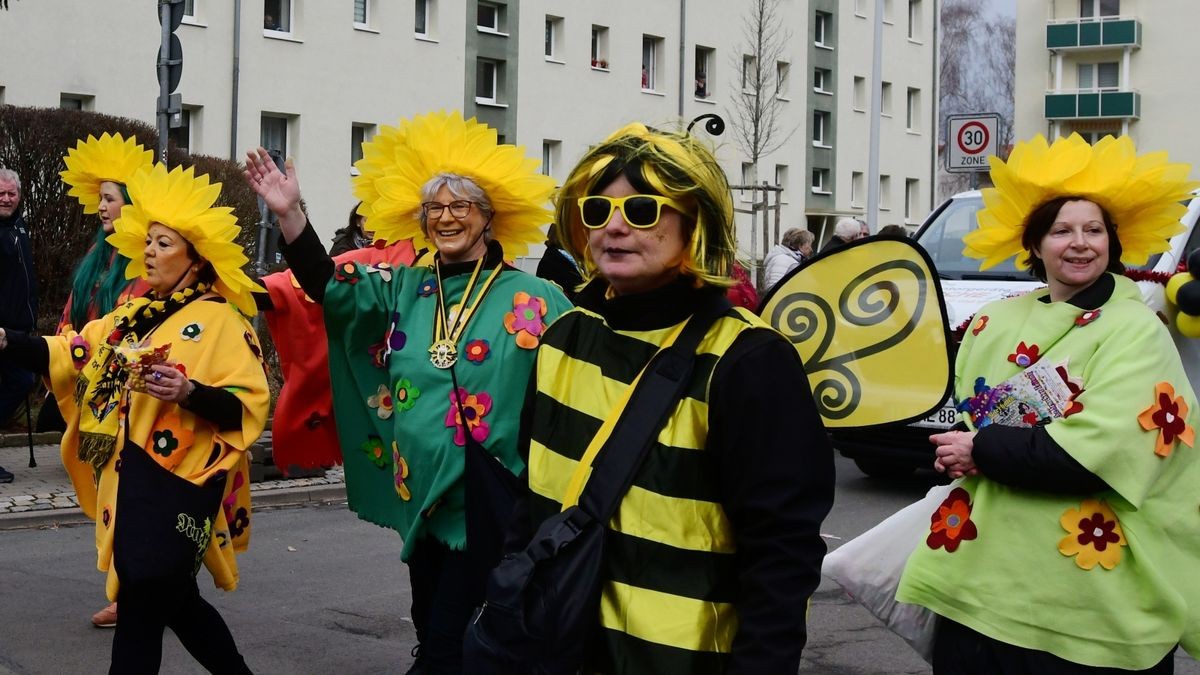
[[880, 469]]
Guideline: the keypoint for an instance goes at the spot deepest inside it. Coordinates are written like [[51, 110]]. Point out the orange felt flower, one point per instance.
[[1168, 415], [1095, 535], [951, 524]]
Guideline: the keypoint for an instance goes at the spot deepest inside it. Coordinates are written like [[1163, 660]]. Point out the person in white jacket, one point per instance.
[[796, 246]]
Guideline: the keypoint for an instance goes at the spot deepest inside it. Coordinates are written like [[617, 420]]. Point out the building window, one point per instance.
[[821, 130], [554, 34], [856, 188], [885, 99], [885, 193], [705, 57], [651, 52], [360, 13], [1093, 136], [274, 134], [822, 80], [747, 181], [277, 15], [823, 29], [181, 135], [912, 109], [781, 180], [490, 18], [489, 81], [860, 93], [600, 46], [423, 17], [1094, 76], [359, 133], [75, 101], [860, 8], [783, 70], [914, 19], [1097, 8], [887, 11], [912, 194], [551, 151], [749, 73], [189, 8], [820, 181]]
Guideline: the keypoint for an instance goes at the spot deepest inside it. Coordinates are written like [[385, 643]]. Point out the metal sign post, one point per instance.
[[170, 70]]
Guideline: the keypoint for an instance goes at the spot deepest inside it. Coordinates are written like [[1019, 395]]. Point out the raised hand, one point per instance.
[[280, 191]]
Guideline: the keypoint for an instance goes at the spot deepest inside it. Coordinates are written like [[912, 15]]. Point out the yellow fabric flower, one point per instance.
[[1095, 535], [1142, 194], [399, 160], [183, 202], [96, 160]]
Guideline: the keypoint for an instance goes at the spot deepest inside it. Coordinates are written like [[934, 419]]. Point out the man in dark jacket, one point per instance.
[[18, 294], [846, 231]]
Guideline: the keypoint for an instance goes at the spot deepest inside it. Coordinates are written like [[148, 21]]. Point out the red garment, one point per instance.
[[742, 293], [303, 430]]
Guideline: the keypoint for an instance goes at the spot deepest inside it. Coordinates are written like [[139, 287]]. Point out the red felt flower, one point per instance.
[[1168, 414], [980, 324], [1025, 356], [1087, 317], [478, 350], [951, 524]]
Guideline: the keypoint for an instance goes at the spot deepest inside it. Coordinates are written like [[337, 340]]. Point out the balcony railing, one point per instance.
[[1094, 33], [1093, 104]]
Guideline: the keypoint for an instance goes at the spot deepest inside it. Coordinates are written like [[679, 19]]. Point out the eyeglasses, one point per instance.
[[640, 211], [459, 209]]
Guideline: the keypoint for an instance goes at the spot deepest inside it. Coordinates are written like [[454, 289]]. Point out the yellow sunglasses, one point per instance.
[[640, 211]]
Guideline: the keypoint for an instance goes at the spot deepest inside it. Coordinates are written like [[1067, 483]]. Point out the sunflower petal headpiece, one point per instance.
[[1143, 195], [183, 202], [108, 158], [399, 160]]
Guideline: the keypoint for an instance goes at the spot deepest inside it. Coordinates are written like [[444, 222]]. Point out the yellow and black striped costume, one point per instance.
[[674, 565]]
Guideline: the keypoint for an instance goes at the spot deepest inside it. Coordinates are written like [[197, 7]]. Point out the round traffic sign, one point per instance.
[[973, 137]]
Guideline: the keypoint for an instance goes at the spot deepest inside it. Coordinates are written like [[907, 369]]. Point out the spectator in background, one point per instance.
[[846, 231], [864, 230], [352, 236], [894, 231], [701, 86], [785, 256], [18, 293], [559, 266]]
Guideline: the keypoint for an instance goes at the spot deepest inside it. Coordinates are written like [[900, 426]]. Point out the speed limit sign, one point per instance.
[[970, 139]]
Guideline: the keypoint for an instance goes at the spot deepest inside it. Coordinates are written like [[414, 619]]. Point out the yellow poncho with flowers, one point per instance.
[[1104, 579], [218, 348]]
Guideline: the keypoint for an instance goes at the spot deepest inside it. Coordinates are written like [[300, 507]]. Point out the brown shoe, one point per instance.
[[105, 618]]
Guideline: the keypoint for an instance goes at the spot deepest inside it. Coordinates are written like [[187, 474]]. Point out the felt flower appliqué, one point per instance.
[[381, 401], [427, 288], [191, 332], [393, 341], [525, 320], [106, 516], [980, 324], [169, 441], [237, 517], [1087, 317], [475, 406], [951, 524], [478, 350], [346, 272], [1095, 535], [1025, 356], [373, 448], [400, 471], [383, 269], [80, 352], [1168, 415], [406, 395]]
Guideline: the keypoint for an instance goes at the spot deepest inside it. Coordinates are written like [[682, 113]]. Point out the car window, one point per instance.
[[942, 239]]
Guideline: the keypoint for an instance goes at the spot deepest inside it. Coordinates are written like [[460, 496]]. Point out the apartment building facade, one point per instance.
[[1100, 67], [314, 79]]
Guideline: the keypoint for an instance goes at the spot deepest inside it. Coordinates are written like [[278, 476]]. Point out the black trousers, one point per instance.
[[958, 650], [441, 606], [147, 608]]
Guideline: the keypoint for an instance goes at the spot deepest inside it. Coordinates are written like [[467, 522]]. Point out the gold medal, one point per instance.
[[443, 354]]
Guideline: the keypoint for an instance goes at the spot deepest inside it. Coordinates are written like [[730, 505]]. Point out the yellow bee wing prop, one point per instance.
[[869, 322]]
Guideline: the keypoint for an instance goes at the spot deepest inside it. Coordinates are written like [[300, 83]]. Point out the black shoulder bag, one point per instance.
[[542, 604]]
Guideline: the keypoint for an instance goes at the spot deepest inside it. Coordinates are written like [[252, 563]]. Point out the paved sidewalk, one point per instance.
[[43, 495]]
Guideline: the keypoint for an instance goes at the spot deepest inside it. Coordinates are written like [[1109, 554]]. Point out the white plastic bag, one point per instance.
[[869, 568]]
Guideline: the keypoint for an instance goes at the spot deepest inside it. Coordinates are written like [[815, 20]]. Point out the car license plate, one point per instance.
[[942, 418]]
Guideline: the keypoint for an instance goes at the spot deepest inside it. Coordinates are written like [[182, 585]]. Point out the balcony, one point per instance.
[[1093, 104], [1106, 32]]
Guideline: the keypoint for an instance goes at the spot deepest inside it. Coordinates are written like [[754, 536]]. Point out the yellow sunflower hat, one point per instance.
[[399, 160], [108, 158], [183, 201], [1142, 194]]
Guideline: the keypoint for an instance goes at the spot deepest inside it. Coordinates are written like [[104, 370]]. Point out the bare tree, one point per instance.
[[757, 112]]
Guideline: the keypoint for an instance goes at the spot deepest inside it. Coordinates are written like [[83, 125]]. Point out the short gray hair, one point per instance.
[[796, 238], [10, 176], [848, 228], [460, 187]]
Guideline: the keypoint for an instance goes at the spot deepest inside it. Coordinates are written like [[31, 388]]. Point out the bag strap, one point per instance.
[[634, 426]]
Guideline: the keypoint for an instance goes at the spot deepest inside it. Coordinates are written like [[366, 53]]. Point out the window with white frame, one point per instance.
[[856, 188], [1093, 135], [887, 11], [1097, 8], [823, 29], [1102, 76], [189, 9], [783, 71], [912, 195], [747, 179], [489, 81], [274, 134], [705, 57], [860, 8], [651, 54], [551, 152], [860, 101], [489, 17], [822, 80], [820, 181], [781, 180], [885, 99], [76, 101], [277, 15], [423, 17], [912, 109], [600, 47], [749, 72], [554, 36], [361, 17], [885, 193], [360, 133], [914, 19], [181, 135], [821, 130]]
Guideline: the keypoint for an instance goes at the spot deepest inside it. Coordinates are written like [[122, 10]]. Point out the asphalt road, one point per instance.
[[323, 592]]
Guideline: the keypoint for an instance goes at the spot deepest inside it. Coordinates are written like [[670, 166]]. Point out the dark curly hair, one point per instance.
[[1042, 218]]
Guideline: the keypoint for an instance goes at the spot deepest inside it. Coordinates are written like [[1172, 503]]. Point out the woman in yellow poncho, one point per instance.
[[169, 391]]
